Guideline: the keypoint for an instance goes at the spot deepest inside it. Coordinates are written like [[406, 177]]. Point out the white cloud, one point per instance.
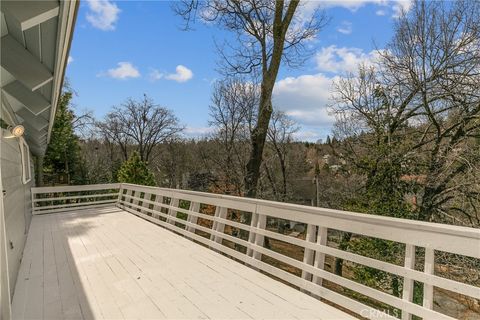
[[339, 60], [352, 5], [308, 7], [194, 132], [305, 99], [182, 74], [308, 135], [103, 14], [345, 27], [124, 71], [400, 6], [155, 75], [70, 59]]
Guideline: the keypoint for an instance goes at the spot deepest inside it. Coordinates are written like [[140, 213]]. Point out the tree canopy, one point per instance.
[[268, 34], [142, 124], [63, 151]]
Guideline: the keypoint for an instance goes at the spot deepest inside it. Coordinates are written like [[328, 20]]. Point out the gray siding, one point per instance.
[[17, 204]]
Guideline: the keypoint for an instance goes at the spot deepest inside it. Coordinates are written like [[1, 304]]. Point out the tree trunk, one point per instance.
[[272, 182], [269, 75], [283, 168], [344, 242], [259, 136], [39, 171], [67, 168], [427, 204]]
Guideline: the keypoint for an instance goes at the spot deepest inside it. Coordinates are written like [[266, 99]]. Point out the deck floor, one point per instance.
[[109, 264]]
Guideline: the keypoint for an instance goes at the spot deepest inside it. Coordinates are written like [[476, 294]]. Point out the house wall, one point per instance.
[[16, 201]]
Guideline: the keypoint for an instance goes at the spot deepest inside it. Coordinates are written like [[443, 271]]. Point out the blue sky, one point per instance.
[[124, 49]]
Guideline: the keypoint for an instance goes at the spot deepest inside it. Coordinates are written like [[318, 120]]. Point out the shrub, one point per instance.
[[136, 171]]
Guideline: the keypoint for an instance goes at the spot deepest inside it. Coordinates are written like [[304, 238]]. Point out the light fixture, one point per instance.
[[17, 131]]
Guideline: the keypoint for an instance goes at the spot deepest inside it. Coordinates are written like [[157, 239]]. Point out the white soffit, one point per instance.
[[35, 38], [32, 100], [31, 13], [23, 65], [3, 26], [6, 77]]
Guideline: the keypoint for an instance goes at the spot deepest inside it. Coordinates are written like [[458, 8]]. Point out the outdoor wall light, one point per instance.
[[17, 131]]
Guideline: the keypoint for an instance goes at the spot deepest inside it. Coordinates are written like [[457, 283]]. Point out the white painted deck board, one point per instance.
[[105, 263]]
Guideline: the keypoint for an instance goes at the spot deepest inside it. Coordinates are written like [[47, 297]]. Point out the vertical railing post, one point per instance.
[[172, 212], [322, 236], [220, 212], [127, 199], [146, 196], [214, 224], [259, 238], [135, 194], [408, 284], [308, 254], [120, 193], [251, 234], [428, 269], [33, 202], [195, 207], [259, 221], [157, 207]]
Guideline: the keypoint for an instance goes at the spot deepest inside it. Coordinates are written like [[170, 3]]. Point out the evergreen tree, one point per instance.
[[63, 151], [136, 171]]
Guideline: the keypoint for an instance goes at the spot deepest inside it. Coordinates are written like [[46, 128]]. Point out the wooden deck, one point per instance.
[[109, 264]]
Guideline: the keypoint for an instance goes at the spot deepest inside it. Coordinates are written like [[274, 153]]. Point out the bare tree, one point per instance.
[[280, 137], [171, 162], [113, 131], [83, 123], [268, 33], [232, 111], [141, 125], [101, 160], [419, 108]]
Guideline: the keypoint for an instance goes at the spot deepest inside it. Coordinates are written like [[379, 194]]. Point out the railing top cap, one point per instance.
[[456, 239], [73, 188], [354, 216], [258, 205]]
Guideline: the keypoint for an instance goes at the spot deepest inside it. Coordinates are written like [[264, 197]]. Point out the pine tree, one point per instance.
[[136, 171], [63, 152]]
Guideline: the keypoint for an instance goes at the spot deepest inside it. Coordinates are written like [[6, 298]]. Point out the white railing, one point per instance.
[[187, 213], [56, 199]]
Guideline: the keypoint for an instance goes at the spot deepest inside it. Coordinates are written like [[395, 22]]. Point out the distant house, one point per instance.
[[35, 44]]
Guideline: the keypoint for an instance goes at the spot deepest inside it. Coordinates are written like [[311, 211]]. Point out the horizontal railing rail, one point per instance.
[[65, 198], [208, 219]]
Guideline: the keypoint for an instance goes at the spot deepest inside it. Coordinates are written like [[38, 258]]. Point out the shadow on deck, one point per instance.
[[106, 263]]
